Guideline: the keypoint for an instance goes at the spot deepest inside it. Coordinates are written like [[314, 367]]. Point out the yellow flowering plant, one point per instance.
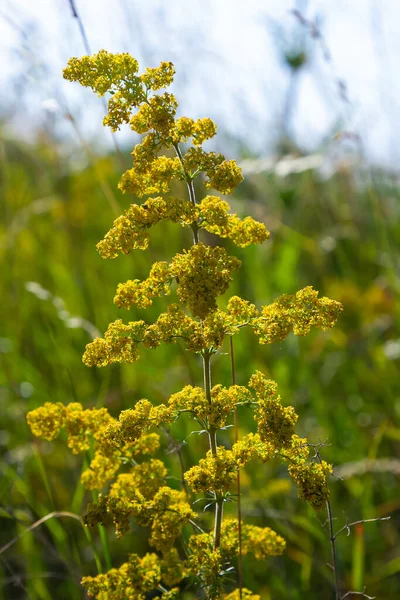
[[129, 481]]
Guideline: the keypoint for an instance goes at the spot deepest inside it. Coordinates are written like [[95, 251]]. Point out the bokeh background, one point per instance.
[[306, 96]]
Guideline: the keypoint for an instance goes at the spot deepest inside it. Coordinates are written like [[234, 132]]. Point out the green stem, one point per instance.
[[212, 436], [332, 539], [103, 541], [105, 547], [96, 554], [333, 548], [192, 194], [207, 375], [219, 510], [219, 503], [238, 486]]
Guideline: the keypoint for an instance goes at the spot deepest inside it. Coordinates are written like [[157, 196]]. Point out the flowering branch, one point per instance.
[[198, 276]]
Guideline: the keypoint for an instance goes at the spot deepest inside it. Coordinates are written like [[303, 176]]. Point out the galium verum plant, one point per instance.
[[136, 487]]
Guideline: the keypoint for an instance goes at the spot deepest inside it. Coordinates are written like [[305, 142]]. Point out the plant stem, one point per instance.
[[239, 511], [192, 194], [212, 436], [332, 539], [176, 447], [219, 510], [207, 375], [333, 546], [347, 527]]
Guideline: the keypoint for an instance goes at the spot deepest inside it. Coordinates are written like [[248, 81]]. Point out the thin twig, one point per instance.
[[363, 594], [194, 524], [85, 40], [331, 534], [347, 527], [176, 447], [80, 25]]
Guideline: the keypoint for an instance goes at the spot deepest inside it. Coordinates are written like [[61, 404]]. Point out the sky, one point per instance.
[[229, 57]]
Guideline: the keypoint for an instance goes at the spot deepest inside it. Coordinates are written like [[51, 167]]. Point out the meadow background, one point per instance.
[[316, 138]]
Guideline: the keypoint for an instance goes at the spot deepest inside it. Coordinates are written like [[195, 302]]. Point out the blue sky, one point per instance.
[[228, 56]]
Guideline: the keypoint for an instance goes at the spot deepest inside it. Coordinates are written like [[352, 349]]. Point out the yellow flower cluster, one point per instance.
[[134, 422], [275, 426], [109, 457], [310, 477], [202, 273], [311, 481], [223, 401], [289, 313], [213, 216], [222, 175], [210, 414], [157, 113], [142, 496], [117, 74], [114, 441], [217, 473], [155, 175], [102, 469], [275, 423], [130, 230], [155, 180], [144, 479], [296, 313], [120, 343], [141, 293], [251, 447], [209, 562], [159, 77], [241, 312], [275, 437], [225, 177], [260, 541], [200, 131], [46, 422], [134, 579]]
